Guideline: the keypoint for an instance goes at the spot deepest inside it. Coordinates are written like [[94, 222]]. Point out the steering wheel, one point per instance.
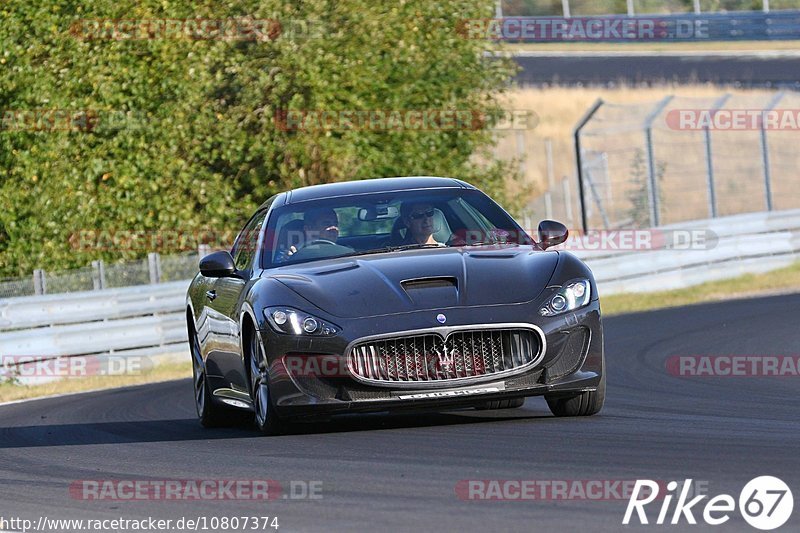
[[320, 241]]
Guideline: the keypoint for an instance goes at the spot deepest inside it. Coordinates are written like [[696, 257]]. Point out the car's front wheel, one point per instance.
[[266, 418], [584, 404]]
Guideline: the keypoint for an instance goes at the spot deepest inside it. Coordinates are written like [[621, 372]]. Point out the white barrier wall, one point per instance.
[[150, 318]]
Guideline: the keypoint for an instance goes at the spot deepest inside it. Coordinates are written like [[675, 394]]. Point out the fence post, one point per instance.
[[154, 266], [697, 9], [579, 157], [567, 200], [39, 282], [523, 160], [203, 250], [551, 180], [548, 155], [565, 8], [631, 9], [99, 275], [765, 6], [765, 150], [712, 191], [498, 9], [548, 205], [652, 179]]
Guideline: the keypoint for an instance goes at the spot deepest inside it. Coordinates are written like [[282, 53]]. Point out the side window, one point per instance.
[[246, 243]]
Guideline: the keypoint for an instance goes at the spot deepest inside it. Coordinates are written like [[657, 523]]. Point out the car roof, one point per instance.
[[376, 185]]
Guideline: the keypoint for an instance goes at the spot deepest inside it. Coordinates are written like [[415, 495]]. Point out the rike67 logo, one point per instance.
[[765, 503]]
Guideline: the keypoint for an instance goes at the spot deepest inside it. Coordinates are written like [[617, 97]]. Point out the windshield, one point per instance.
[[375, 223]]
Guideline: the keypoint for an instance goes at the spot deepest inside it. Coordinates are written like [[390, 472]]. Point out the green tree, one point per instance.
[[195, 145]]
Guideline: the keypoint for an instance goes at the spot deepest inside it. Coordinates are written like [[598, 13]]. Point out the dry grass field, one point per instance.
[[617, 134]]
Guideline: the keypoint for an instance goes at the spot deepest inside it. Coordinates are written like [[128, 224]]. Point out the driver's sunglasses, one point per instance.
[[424, 214]]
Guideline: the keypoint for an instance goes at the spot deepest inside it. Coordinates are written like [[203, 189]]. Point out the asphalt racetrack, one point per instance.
[[401, 472], [603, 68]]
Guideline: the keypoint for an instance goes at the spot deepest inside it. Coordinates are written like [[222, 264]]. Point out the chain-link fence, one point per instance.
[[154, 269], [680, 159]]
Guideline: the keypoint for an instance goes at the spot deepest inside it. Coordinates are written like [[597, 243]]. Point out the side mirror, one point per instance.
[[217, 265], [552, 233]]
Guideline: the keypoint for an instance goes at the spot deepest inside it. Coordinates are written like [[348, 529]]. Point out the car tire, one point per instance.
[[584, 404], [266, 418], [209, 413], [513, 403]]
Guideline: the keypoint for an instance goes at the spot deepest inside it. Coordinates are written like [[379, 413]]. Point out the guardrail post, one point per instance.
[[652, 178], [712, 191], [579, 156], [99, 275], [154, 265], [765, 150], [203, 250], [39, 282]]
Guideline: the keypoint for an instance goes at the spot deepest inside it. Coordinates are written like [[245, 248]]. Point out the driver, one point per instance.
[[419, 221]]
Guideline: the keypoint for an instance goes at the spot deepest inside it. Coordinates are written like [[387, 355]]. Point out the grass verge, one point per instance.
[[749, 285], [163, 372]]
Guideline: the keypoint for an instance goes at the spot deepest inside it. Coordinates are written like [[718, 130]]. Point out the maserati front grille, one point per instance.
[[436, 357]]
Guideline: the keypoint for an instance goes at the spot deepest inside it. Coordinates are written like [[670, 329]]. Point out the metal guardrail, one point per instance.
[[91, 306], [749, 243], [150, 318], [687, 27]]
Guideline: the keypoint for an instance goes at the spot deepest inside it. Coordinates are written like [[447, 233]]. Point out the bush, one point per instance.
[[194, 143]]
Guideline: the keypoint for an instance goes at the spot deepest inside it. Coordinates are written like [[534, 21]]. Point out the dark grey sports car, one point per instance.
[[391, 294]]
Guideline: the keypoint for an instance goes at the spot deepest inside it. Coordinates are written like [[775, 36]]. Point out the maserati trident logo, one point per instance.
[[440, 318], [444, 360]]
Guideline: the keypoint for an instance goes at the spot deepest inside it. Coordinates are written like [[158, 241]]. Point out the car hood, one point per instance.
[[416, 280]]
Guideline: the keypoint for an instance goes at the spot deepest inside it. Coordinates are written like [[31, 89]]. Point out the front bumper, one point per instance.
[[309, 376]]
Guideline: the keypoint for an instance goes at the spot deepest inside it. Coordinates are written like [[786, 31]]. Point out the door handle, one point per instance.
[[211, 295]]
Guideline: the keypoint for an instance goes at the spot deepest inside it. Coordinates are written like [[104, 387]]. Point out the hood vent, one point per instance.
[[432, 292], [429, 283]]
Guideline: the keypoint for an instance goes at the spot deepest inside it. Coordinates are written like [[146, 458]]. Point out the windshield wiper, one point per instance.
[[416, 246], [387, 249]]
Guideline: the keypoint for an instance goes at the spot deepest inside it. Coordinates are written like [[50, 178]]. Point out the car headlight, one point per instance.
[[571, 296], [293, 322]]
